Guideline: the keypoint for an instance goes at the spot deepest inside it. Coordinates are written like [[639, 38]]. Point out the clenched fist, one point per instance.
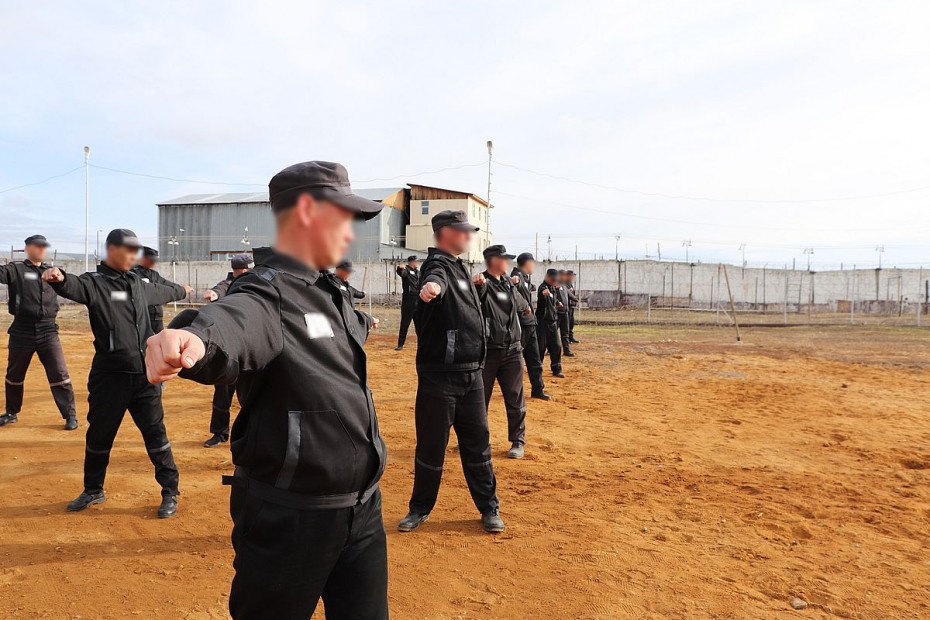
[[478, 279], [210, 295], [171, 351], [188, 289], [430, 291], [515, 279], [545, 292], [53, 275]]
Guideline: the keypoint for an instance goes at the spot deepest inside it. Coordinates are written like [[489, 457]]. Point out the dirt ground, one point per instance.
[[675, 474]]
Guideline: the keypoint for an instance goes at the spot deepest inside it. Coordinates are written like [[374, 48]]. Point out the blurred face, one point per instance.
[[414, 264], [239, 272], [550, 279], [121, 257], [343, 273], [325, 228], [498, 265], [148, 262], [36, 253], [453, 241], [570, 277], [528, 267]]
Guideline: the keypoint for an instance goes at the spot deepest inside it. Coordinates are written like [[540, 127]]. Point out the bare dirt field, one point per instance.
[[675, 474]]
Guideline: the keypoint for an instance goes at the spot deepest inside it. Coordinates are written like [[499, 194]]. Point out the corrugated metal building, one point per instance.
[[216, 226]]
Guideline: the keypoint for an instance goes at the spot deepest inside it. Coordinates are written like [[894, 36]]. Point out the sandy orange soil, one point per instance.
[[675, 474]]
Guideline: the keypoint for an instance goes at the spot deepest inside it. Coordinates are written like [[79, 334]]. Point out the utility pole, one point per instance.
[[86, 208], [881, 250], [742, 248], [686, 244], [617, 248]]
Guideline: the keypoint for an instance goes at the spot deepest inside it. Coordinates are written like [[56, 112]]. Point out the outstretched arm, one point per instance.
[[69, 286], [160, 294], [239, 333]]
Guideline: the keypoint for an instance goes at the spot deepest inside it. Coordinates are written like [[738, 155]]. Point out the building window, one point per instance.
[[424, 207]]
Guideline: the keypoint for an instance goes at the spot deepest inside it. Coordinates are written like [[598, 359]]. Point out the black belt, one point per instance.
[[298, 501]]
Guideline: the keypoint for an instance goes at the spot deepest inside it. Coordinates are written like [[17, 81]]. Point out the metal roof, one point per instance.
[[375, 193]]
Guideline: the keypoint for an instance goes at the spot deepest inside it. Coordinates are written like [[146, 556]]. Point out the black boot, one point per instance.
[[412, 521], [84, 500], [169, 507], [8, 418], [216, 440], [492, 522], [71, 423]]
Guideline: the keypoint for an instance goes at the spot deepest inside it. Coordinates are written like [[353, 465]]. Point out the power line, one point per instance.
[[164, 178], [627, 190], [51, 178]]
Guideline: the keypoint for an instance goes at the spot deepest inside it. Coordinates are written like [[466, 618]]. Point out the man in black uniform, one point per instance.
[[451, 347], [547, 318], [117, 301], [410, 281], [572, 304], [146, 271], [343, 273], [502, 308], [562, 311], [305, 501], [34, 306], [223, 393], [525, 288]]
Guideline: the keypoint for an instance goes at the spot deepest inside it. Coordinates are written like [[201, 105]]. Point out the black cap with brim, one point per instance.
[[457, 220], [124, 237], [412, 258], [345, 266], [497, 250], [324, 181], [148, 252], [37, 240]]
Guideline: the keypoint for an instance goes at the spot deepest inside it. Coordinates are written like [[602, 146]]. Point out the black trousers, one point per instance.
[[110, 394], [447, 400], [48, 347], [287, 559], [222, 401], [571, 323], [565, 332], [506, 367], [548, 334], [408, 305], [532, 358]]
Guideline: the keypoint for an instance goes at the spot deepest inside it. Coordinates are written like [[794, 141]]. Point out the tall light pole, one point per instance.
[[742, 248], [490, 150], [86, 208], [881, 250], [97, 251], [686, 244], [808, 251], [617, 247]]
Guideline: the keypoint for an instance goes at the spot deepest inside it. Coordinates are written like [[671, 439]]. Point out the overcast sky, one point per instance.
[[807, 123]]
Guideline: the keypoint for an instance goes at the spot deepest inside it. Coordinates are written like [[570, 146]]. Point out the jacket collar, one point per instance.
[[437, 253], [282, 262], [109, 272]]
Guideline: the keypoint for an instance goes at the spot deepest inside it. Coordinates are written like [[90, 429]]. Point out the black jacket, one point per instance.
[[502, 307], [117, 303], [294, 346], [156, 311], [350, 291], [562, 296], [32, 302], [525, 289], [546, 310], [572, 294], [450, 329], [410, 279]]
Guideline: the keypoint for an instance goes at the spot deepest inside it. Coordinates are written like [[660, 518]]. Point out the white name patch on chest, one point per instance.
[[146, 280], [463, 284], [31, 275], [318, 325], [502, 296], [119, 296]]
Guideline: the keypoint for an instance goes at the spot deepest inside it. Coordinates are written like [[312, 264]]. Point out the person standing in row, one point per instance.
[[223, 393], [146, 271], [343, 272], [562, 313], [502, 308], [34, 306], [409, 278], [547, 319], [305, 501], [117, 301], [522, 279], [451, 347], [573, 300]]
